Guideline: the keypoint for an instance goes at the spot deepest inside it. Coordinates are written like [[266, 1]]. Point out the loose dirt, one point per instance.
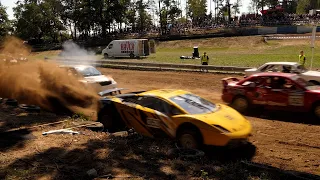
[[280, 140], [42, 83]]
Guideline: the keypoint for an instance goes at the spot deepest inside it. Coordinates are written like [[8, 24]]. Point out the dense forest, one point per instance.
[[52, 19]]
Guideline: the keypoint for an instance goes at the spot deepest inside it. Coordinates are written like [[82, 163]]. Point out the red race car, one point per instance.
[[280, 91]]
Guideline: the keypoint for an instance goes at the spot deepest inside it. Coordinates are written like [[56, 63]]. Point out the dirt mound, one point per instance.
[[45, 84]]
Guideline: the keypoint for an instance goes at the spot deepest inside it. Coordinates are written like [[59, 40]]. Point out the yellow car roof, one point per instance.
[[165, 93]]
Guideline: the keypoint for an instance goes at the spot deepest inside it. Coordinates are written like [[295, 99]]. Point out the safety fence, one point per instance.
[[146, 66], [287, 37]]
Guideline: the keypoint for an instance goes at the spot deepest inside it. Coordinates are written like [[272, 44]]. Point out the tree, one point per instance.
[[130, 15], [144, 19], [169, 11], [219, 8], [253, 6], [4, 22], [197, 11], [303, 6], [38, 20], [236, 7]]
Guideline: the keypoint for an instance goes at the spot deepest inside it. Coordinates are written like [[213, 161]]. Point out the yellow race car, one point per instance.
[[186, 117]]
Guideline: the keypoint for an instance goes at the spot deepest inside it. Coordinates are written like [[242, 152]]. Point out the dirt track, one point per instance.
[[282, 140]]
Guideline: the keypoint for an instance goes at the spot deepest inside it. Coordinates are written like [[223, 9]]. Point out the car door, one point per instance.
[[145, 115], [296, 96], [256, 94], [276, 95]]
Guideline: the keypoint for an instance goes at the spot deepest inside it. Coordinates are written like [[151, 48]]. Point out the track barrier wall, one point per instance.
[[158, 66]]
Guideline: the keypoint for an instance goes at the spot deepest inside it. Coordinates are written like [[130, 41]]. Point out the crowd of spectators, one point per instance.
[[272, 19], [278, 19], [210, 23]]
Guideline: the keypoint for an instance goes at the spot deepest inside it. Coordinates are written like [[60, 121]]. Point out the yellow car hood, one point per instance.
[[225, 117]]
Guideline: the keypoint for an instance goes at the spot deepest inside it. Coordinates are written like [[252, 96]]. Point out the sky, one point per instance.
[[243, 9]]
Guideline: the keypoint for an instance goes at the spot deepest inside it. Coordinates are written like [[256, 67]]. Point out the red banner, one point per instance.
[[127, 46]]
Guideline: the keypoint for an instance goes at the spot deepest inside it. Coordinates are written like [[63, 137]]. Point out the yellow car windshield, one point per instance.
[[193, 104]]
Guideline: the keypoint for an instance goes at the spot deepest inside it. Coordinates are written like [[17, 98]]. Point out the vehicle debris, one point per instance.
[[30, 108], [92, 173], [61, 131], [11, 102]]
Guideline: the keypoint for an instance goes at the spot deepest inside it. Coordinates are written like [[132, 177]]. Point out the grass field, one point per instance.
[[235, 51]]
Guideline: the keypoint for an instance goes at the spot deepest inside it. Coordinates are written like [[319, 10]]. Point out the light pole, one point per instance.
[[160, 23]]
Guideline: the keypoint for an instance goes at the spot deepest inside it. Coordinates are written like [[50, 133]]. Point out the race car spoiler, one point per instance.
[[225, 81], [110, 91]]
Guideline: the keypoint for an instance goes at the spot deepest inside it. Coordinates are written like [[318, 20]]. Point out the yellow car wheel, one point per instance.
[[189, 139], [107, 119]]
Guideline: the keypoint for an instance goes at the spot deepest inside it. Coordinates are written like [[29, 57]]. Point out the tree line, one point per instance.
[[51, 19]]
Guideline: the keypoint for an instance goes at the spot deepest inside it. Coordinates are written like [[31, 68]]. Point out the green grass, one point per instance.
[[238, 56], [239, 51], [242, 54]]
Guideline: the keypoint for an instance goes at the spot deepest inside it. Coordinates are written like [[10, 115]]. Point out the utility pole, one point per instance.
[[186, 11], [216, 11], [210, 6], [229, 12], [160, 23]]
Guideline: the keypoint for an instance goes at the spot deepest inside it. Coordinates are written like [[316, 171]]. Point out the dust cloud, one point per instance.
[[73, 54], [44, 84]]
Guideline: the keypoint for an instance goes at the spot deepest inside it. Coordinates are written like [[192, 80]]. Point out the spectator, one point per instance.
[[302, 58], [204, 61]]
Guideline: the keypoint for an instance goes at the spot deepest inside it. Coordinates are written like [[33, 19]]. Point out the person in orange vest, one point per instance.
[[302, 58], [204, 60]]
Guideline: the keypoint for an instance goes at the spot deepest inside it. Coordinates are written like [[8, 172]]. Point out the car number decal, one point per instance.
[[296, 99], [151, 122], [272, 103]]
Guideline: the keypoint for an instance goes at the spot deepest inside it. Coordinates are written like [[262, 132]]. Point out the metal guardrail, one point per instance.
[[288, 37], [157, 66]]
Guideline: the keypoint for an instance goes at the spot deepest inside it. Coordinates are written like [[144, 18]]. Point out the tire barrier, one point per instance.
[[11, 102]]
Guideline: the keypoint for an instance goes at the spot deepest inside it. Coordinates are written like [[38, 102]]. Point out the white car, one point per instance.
[[91, 75], [287, 67]]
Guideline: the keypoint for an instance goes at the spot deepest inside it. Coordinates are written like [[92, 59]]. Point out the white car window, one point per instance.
[[274, 68], [89, 71], [263, 68], [301, 68]]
